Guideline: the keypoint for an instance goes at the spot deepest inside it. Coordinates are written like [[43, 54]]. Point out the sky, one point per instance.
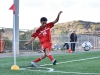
[[30, 12]]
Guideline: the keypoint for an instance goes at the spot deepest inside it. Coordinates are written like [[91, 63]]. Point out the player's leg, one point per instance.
[[72, 46], [37, 60], [48, 54], [40, 58]]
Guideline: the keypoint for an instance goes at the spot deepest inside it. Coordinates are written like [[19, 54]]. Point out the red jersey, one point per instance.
[[44, 33]]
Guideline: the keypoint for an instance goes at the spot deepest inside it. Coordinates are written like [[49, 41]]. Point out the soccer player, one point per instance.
[[44, 35]]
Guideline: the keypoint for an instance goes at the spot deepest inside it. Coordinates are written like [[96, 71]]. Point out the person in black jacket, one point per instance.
[[73, 40]]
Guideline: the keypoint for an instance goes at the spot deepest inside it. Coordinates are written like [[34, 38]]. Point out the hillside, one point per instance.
[[81, 27], [8, 32]]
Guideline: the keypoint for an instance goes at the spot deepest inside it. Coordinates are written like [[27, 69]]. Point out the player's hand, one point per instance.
[[26, 43], [60, 12]]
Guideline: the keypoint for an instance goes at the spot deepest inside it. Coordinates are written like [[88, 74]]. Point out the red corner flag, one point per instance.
[[12, 8]]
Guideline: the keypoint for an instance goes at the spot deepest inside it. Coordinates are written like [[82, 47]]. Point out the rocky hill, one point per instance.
[[81, 27], [8, 32]]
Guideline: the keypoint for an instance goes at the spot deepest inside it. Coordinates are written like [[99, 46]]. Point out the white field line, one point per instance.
[[77, 73], [52, 70], [72, 61], [49, 69], [62, 72]]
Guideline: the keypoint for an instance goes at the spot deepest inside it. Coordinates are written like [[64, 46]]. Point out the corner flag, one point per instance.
[[14, 67], [12, 8]]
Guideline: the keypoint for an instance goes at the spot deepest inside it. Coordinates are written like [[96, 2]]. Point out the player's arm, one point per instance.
[[32, 38], [57, 19]]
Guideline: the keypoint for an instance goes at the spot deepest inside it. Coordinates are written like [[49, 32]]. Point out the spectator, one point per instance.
[[73, 40]]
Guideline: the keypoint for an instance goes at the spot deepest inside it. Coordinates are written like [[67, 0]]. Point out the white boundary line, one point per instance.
[[52, 70], [72, 61], [49, 69], [63, 72]]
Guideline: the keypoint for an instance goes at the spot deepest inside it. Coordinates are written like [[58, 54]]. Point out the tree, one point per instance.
[[1, 31]]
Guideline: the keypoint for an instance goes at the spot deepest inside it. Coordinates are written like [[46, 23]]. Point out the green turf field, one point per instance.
[[87, 63]]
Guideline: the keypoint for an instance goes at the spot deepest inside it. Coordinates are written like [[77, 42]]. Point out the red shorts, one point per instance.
[[47, 45]]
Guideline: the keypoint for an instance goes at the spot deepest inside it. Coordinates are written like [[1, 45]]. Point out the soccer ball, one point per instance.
[[86, 46]]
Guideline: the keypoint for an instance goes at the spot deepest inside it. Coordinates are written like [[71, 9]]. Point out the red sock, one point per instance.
[[37, 60], [50, 57]]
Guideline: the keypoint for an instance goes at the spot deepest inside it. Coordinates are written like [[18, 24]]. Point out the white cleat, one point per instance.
[[33, 64]]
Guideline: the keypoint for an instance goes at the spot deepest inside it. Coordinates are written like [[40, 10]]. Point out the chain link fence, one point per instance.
[[57, 40]]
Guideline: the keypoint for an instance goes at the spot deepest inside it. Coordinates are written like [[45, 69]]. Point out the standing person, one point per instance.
[[73, 39], [44, 35]]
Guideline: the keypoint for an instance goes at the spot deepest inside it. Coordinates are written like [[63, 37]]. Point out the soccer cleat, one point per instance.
[[33, 64], [54, 62]]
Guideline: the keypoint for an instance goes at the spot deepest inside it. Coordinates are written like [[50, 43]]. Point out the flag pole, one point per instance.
[[14, 42], [15, 36]]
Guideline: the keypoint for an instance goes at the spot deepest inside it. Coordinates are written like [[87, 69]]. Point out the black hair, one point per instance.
[[43, 19]]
